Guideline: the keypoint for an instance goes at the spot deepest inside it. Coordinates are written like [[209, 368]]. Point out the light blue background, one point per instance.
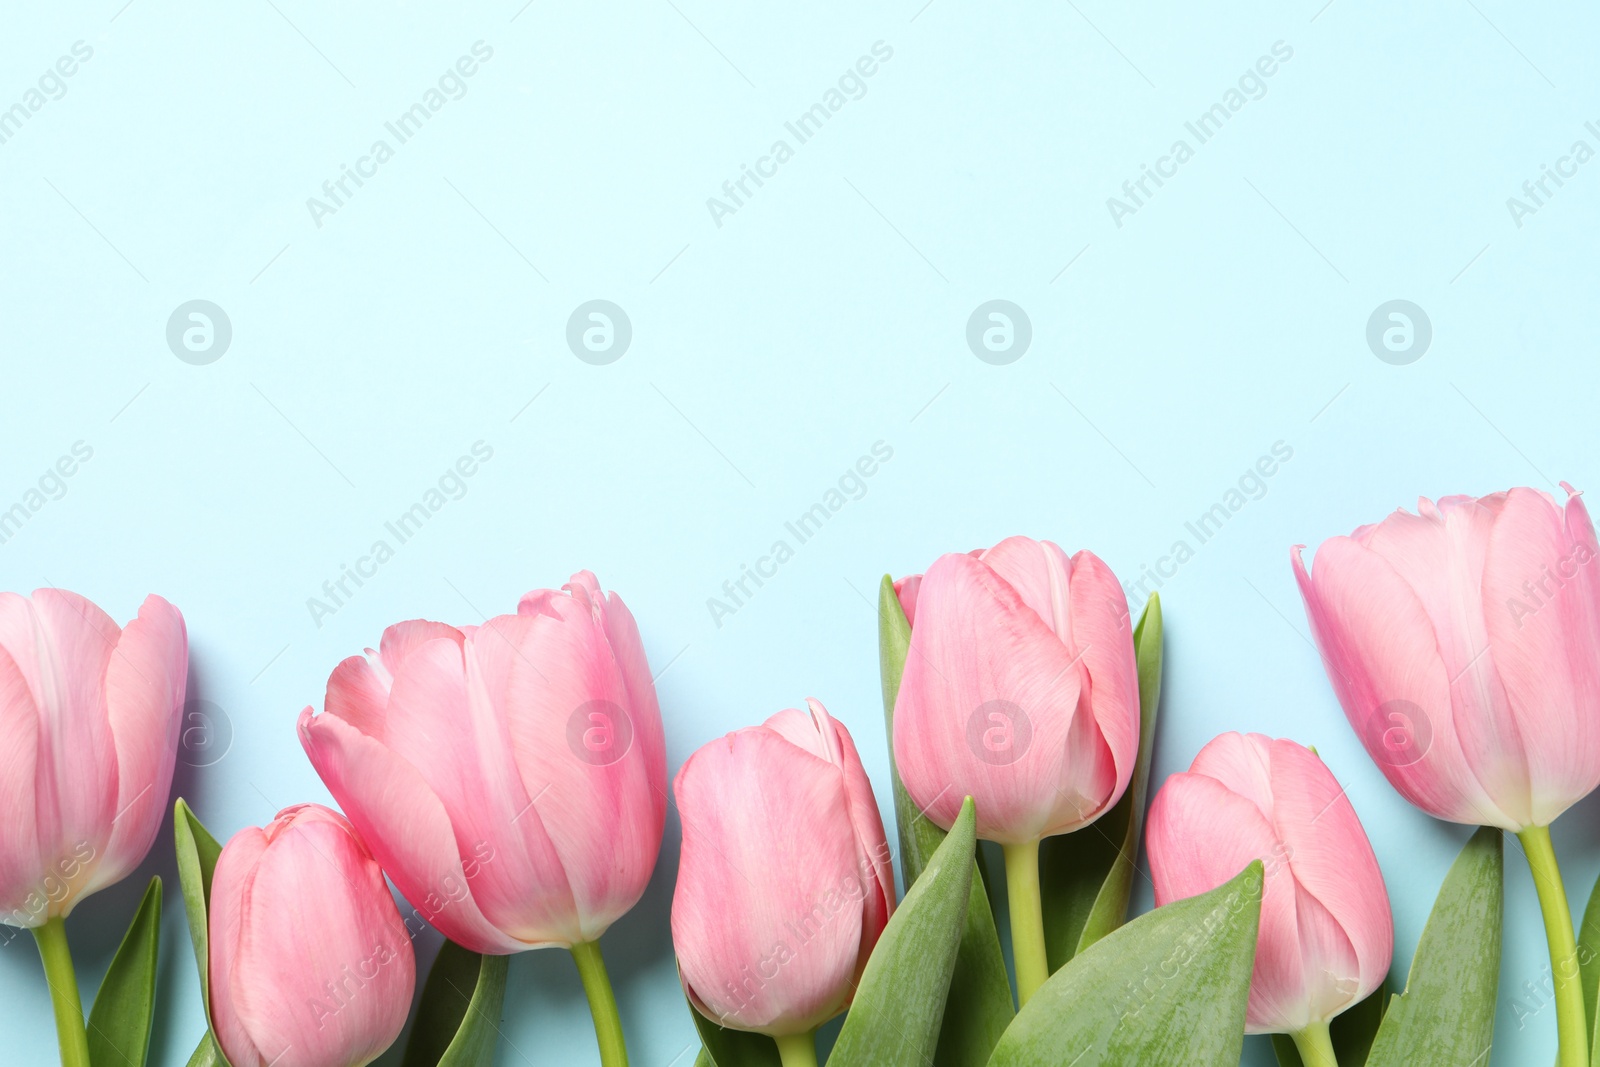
[[769, 353]]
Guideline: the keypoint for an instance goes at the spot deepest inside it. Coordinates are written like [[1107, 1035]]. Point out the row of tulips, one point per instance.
[[510, 781]]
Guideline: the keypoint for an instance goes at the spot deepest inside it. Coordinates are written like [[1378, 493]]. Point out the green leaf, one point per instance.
[[979, 1006], [1445, 1018], [1352, 1032], [895, 1017], [1170, 987], [206, 1053], [1589, 965], [458, 1021], [722, 1047], [119, 1024], [197, 861], [1086, 878]]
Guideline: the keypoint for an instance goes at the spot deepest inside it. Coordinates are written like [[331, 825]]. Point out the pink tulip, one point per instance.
[[310, 963], [510, 777], [1020, 690], [1464, 644], [89, 720], [1326, 933], [784, 883]]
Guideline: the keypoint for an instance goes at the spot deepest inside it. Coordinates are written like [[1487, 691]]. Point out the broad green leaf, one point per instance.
[[119, 1024], [722, 1047], [1352, 1032], [1589, 965], [1086, 878], [458, 1020], [206, 1053], [197, 861], [895, 1017], [979, 1007], [1445, 1018], [1170, 987]]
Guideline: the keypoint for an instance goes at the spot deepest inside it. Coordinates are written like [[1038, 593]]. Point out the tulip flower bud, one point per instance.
[[89, 720], [510, 777], [784, 883], [1326, 932], [310, 963], [1020, 690], [1464, 645]]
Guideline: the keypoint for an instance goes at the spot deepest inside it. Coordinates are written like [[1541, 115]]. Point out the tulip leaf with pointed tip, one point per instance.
[[1170, 987], [1086, 878], [895, 1016], [724, 1047], [197, 861], [1445, 1018], [119, 1023], [1352, 1032], [458, 1020], [979, 1007]]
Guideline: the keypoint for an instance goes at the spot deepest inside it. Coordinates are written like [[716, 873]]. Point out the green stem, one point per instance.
[[798, 1050], [1027, 919], [602, 1003], [1571, 1019], [1315, 1046], [63, 980]]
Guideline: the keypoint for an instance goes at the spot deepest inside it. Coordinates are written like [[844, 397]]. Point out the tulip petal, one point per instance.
[[1103, 638], [62, 643], [768, 861], [444, 721], [405, 826], [230, 891], [1326, 932], [1201, 834], [823, 736], [648, 732], [21, 867], [1332, 861], [359, 695], [335, 989], [1041, 574], [1541, 597], [1442, 555], [1377, 643], [981, 660], [1327, 969], [1243, 762], [403, 638], [906, 590], [578, 752], [146, 680]]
